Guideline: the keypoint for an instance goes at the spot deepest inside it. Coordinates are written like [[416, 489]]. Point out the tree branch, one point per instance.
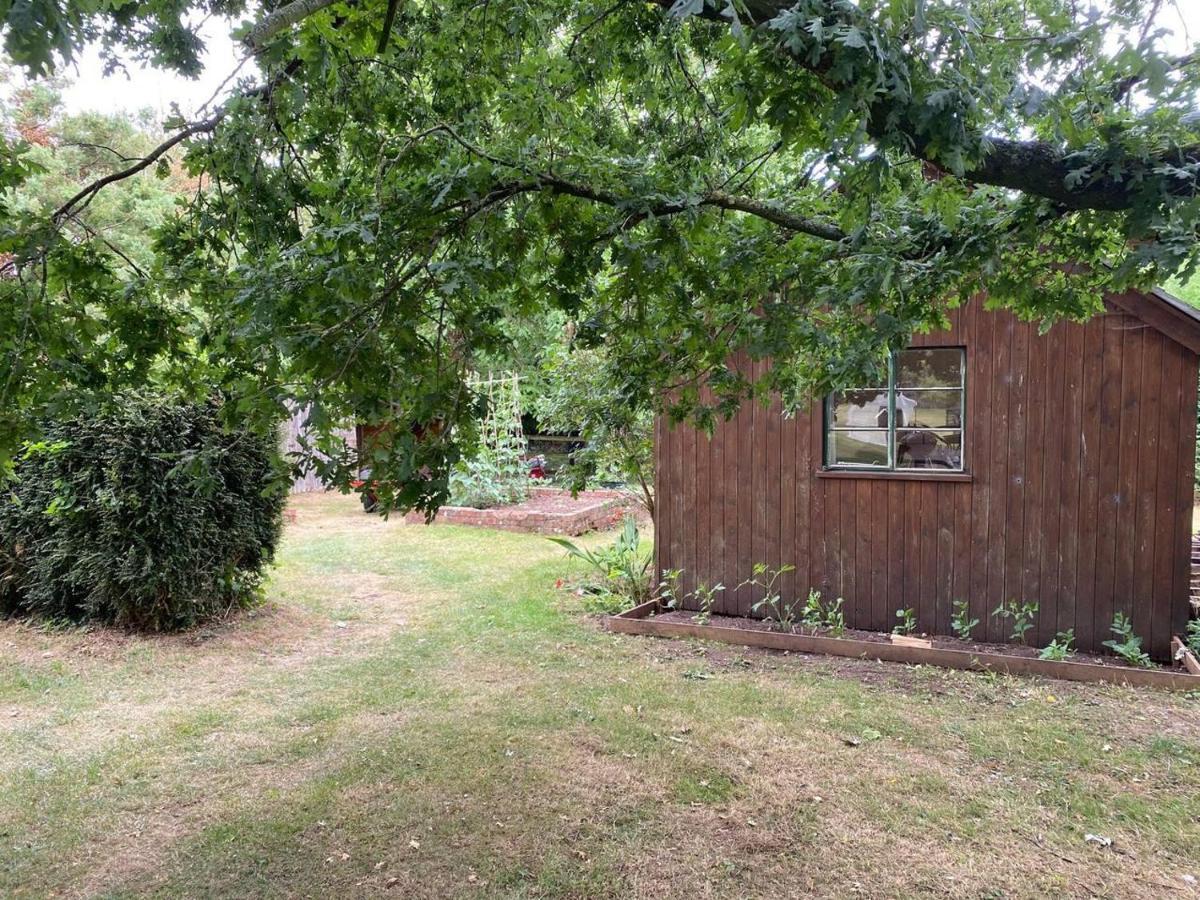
[[1037, 168], [284, 17], [145, 162], [84, 196], [763, 209]]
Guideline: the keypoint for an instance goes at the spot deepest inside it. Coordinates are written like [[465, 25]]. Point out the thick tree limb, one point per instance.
[[1036, 168], [762, 209], [284, 17], [544, 181], [389, 19]]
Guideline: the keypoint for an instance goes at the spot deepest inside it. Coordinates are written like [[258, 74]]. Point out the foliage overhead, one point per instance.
[[812, 180], [40, 34]]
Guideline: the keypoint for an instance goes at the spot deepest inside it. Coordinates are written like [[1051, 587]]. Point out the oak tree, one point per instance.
[[810, 180]]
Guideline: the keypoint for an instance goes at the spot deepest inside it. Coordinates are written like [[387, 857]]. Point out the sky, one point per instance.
[[150, 88], [156, 90]]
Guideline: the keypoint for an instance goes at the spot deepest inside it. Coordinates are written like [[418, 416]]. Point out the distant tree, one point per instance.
[[71, 150], [577, 392], [80, 315], [810, 180]]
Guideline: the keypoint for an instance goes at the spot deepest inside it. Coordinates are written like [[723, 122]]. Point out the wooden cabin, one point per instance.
[[995, 464]]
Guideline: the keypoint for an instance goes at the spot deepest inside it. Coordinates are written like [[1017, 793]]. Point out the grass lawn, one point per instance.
[[418, 709]]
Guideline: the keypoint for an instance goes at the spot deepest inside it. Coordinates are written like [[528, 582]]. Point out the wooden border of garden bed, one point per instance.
[[640, 620], [1185, 656]]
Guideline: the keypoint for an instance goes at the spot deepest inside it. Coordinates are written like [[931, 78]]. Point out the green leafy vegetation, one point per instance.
[[66, 150], [1022, 616], [579, 392], [808, 182], [961, 620], [907, 623], [670, 591], [1193, 636], [776, 612], [819, 614], [621, 570], [706, 597], [494, 474], [1126, 644], [1061, 647], [146, 515]]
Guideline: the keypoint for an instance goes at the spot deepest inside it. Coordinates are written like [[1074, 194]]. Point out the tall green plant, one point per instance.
[[495, 475], [780, 614], [623, 569]]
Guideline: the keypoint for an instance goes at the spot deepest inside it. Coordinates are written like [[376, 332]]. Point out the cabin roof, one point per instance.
[[1164, 312]]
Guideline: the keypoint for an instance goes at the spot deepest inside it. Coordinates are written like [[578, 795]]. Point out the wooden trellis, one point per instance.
[[501, 429]]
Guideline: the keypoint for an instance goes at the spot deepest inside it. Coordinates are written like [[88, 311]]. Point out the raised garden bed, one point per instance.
[[546, 511], [650, 618]]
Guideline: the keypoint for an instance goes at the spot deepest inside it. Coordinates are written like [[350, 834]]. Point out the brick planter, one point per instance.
[[547, 511]]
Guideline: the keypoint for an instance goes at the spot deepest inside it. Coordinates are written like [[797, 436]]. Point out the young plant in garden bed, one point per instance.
[[908, 621], [669, 593], [833, 618], [672, 596], [1129, 647], [1060, 648], [623, 569], [780, 616], [706, 597], [1022, 616], [961, 621], [817, 614]]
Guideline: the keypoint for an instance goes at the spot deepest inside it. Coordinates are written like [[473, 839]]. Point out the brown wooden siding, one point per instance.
[[1079, 444]]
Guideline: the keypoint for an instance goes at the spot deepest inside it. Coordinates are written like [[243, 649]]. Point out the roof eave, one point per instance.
[[1164, 312]]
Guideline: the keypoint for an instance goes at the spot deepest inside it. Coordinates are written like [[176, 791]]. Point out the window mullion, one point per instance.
[[891, 410]]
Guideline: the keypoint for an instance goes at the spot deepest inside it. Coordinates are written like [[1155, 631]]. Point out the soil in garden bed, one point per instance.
[[547, 510], [939, 642]]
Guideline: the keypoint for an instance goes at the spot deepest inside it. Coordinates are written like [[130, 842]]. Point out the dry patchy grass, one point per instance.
[[418, 711]]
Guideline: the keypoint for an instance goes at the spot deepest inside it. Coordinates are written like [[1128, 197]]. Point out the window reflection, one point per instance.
[[928, 449], [925, 394]]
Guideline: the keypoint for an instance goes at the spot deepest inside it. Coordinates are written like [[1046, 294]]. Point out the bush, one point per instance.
[[146, 515]]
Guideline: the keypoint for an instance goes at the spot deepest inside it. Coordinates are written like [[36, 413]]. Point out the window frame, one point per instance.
[[891, 469]]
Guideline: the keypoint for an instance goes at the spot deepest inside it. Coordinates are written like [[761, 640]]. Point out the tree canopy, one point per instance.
[[810, 180]]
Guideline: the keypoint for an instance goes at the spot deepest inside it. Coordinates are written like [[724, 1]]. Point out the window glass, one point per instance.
[[929, 409], [924, 395], [861, 409], [858, 448], [929, 367], [928, 449]]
